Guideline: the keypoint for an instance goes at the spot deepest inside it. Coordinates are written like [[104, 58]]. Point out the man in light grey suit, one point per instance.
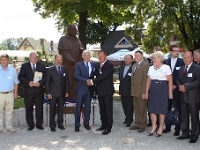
[[84, 73], [57, 88]]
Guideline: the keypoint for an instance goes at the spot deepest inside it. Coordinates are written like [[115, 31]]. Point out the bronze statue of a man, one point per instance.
[[71, 48]]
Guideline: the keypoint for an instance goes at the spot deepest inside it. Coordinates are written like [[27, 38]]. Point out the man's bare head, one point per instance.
[[71, 30]]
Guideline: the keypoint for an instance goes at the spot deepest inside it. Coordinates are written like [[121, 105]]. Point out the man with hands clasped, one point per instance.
[[57, 87], [84, 74], [188, 82]]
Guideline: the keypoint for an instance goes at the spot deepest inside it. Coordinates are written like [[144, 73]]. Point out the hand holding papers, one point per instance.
[[37, 78]]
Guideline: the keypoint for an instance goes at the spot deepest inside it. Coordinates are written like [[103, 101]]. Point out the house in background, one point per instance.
[[117, 40], [34, 45]]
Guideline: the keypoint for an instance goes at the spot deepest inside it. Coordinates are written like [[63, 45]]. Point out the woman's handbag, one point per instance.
[[172, 116]]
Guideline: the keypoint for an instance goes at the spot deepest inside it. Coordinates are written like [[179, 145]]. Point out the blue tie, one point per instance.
[[59, 71], [87, 67]]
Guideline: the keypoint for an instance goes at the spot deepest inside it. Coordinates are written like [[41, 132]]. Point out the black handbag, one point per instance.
[[172, 116]]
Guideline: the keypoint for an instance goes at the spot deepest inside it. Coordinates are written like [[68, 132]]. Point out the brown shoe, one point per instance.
[[134, 128], [141, 129]]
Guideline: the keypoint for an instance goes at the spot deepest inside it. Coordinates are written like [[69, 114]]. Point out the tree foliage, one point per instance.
[[11, 43], [167, 18], [94, 15]]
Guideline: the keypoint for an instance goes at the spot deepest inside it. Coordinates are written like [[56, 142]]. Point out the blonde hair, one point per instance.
[[159, 55]]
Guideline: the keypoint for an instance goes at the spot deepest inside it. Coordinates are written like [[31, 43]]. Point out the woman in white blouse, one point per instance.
[[158, 90]]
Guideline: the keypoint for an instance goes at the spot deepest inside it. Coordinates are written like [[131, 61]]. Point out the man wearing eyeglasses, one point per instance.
[[175, 63]]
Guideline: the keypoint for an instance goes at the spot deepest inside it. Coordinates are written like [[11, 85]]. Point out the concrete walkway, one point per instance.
[[121, 138]]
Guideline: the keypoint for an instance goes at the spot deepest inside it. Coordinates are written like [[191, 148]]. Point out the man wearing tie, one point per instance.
[[188, 82], [175, 63], [84, 73], [105, 90], [138, 89], [125, 89], [57, 88], [33, 91]]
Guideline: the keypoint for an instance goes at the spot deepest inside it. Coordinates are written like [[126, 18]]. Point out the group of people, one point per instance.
[[144, 87], [155, 88], [71, 76]]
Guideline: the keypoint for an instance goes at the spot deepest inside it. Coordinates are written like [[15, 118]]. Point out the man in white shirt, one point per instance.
[[175, 63]]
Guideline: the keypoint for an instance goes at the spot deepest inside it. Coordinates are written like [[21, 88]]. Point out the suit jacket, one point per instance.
[[104, 80], [177, 66], [26, 75], [81, 74], [191, 83], [139, 78], [57, 85], [125, 82]]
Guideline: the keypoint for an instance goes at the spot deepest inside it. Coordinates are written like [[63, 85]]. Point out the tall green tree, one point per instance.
[[11, 43], [87, 14], [166, 18]]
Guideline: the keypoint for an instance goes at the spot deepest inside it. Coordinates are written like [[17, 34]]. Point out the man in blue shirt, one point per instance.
[[8, 92]]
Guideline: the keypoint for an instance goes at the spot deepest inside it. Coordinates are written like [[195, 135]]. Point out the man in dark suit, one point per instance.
[[105, 89], [84, 73], [197, 56], [189, 82], [57, 88], [125, 89], [33, 91], [175, 63]]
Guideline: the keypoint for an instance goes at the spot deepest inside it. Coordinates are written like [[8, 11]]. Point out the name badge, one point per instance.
[[129, 74], [177, 68], [9, 77], [189, 75], [64, 74]]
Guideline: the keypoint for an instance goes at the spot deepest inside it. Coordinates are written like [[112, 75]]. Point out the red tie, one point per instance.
[[185, 71]]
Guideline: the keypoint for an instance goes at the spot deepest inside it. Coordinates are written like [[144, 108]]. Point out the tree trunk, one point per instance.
[[82, 27]]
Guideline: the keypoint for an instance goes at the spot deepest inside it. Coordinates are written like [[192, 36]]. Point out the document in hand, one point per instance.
[[37, 76]]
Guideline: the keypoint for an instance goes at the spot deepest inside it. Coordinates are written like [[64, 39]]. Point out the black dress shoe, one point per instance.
[[105, 132], [53, 130], [61, 128], [40, 128], [87, 127], [149, 124], [30, 128], [192, 140], [176, 133], [166, 130], [100, 129], [182, 137], [128, 125], [76, 129]]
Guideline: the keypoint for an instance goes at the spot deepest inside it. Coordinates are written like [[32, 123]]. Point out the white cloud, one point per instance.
[[19, 20]]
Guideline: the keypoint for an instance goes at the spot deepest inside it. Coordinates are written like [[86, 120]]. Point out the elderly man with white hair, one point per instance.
[[33, 91], [84, 73]]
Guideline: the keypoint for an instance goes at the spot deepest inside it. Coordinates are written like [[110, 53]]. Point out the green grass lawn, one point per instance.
[[19, 103]]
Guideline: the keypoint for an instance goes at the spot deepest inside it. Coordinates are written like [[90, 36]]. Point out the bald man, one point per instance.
[[71, 48], [188, 82], [33, 91]]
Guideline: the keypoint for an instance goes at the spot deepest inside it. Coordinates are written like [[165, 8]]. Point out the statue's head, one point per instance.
[[71, 30]]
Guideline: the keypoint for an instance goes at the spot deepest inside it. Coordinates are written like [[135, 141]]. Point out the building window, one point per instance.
[[124, 42]]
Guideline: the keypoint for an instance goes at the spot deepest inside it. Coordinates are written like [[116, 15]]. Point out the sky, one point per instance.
[[17, 19]]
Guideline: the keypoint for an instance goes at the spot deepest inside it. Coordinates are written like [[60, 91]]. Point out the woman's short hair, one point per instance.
[[159, 55]]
